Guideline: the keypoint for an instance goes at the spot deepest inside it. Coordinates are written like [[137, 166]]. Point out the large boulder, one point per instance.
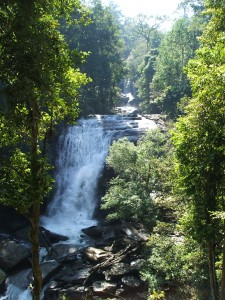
[[62, 252], [46, 237], [12, 253], [111, 232]]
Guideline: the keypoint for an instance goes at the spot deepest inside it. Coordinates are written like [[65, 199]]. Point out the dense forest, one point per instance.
[[60, 60]]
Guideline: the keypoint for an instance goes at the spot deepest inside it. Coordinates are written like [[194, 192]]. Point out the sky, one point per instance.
[[132, 8]]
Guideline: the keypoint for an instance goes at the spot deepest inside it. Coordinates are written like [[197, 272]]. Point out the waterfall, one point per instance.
[[82, 153]]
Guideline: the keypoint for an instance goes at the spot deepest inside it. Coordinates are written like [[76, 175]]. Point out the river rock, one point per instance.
[[46, 237], [104, 232], [104, 287], [53, 237], [62, 252], [48, 269], [78, 277], [133, 233], [117, 269], [12, 253], [94, 232]]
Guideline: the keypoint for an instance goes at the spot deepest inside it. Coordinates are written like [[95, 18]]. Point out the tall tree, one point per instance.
[[102, 39], [142, 39], [199, 142], [170, 83], [41, 84]]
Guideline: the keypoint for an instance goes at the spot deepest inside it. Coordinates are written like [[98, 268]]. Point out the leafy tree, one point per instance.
[[147, 71], [147, 31], [138, 176], [170, 83], [102, 39], [199, 142], [141, 40], [40, 83], [175, 264]]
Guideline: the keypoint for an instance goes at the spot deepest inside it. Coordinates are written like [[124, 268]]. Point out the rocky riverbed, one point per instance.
[[108, 267]]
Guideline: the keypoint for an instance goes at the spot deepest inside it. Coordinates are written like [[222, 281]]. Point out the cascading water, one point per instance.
[[82, 155]]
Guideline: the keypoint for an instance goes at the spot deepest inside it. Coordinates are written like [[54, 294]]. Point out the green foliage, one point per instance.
[[147, 71], [169, 83], [101, 39], [138, 176], [157, 295], [174, 262], [142, 40], [41, 89], [199, 142]]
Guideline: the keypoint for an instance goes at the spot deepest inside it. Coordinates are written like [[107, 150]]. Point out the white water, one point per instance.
[[82, 155]]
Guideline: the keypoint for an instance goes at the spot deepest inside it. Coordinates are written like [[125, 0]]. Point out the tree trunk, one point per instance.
[[36, 198], [222, 295], [212, 272], [37, 273]]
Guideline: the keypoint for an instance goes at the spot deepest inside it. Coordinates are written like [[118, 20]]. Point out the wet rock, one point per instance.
[[117, 269], [94, 232], [105, 232], [131, 281], [78, 277], [133, 233], [62, 252], [22, 234], [12, 253], [46, 238], [52, 237], [49, 269], [69, 269], [112, 232]]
